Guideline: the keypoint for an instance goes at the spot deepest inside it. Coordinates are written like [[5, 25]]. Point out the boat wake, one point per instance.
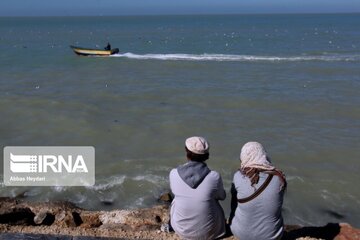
[[238, 58]]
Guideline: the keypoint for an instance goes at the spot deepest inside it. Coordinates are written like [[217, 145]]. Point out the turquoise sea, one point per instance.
[[291, 82]]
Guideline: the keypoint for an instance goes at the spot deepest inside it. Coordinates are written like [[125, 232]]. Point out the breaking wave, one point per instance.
[[238, 58], [116, 181], [106, 184]]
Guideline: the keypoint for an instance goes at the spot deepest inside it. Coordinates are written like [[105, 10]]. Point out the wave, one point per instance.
[[106, 184], [237, 58], [154, 179], [116, 181]]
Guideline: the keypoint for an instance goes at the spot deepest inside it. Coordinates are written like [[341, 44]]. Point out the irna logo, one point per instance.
[[49, 166], [46, 163]]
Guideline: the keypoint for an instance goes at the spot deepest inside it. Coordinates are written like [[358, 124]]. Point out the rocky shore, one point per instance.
[[63, 220]]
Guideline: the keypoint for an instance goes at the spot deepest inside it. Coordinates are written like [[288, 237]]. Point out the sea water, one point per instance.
[[291, 82]]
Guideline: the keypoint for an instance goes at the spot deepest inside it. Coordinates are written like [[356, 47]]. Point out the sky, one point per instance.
[[169, 7]]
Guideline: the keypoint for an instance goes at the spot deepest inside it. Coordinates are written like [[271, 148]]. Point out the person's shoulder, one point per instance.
[[173, 171], [277, 180], [173, 174], [239, 177], [214, 174], [238, 173]]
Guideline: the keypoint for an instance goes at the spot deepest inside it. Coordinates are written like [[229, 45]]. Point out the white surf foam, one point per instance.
[[236, 58], [108, 183], [155, 179]]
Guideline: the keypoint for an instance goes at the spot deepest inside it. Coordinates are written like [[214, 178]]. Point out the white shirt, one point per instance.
[[196, 213], [260, 218]]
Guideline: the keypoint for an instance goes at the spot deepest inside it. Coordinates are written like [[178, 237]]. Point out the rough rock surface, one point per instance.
[[64, 220]]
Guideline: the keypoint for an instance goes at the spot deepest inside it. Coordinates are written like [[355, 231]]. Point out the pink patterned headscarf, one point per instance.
[[254, 160], [253, 155]]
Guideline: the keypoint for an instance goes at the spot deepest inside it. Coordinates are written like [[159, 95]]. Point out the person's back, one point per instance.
[[256, 214], [261, 217], [195, 212]]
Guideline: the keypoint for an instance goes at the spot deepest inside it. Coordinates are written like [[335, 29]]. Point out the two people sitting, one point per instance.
[[257, 195]]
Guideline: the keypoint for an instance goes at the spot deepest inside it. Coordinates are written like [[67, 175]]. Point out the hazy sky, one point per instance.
[[131, 7]]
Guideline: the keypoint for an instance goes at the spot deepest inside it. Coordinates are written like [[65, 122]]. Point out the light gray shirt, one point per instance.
[[260, 218], [196, 213]]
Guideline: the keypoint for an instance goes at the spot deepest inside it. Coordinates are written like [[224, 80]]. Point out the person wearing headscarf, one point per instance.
[[256, 214], [195, 211]]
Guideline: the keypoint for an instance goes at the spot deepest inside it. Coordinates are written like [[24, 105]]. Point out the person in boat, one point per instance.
[[257, 196], [195, 210], [108, 47]]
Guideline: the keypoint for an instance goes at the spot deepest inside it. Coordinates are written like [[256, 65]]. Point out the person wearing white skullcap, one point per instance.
[[257, 196], [195, 211]]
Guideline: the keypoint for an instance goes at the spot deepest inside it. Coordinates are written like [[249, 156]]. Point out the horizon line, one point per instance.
[[186, 14]]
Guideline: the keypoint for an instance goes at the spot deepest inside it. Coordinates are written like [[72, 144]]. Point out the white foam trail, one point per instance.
[[59, 188], [108, 183], [139, 202], [291, 178], [155, 179], [235, 58], [79, 198]]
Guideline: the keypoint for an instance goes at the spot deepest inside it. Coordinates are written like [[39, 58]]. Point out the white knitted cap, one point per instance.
[[198, 145]]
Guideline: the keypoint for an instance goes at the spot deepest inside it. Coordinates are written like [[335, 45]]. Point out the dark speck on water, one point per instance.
[[107, 202]]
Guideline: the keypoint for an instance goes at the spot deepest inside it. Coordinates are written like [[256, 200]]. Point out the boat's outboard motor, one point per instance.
[[115, 50]]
